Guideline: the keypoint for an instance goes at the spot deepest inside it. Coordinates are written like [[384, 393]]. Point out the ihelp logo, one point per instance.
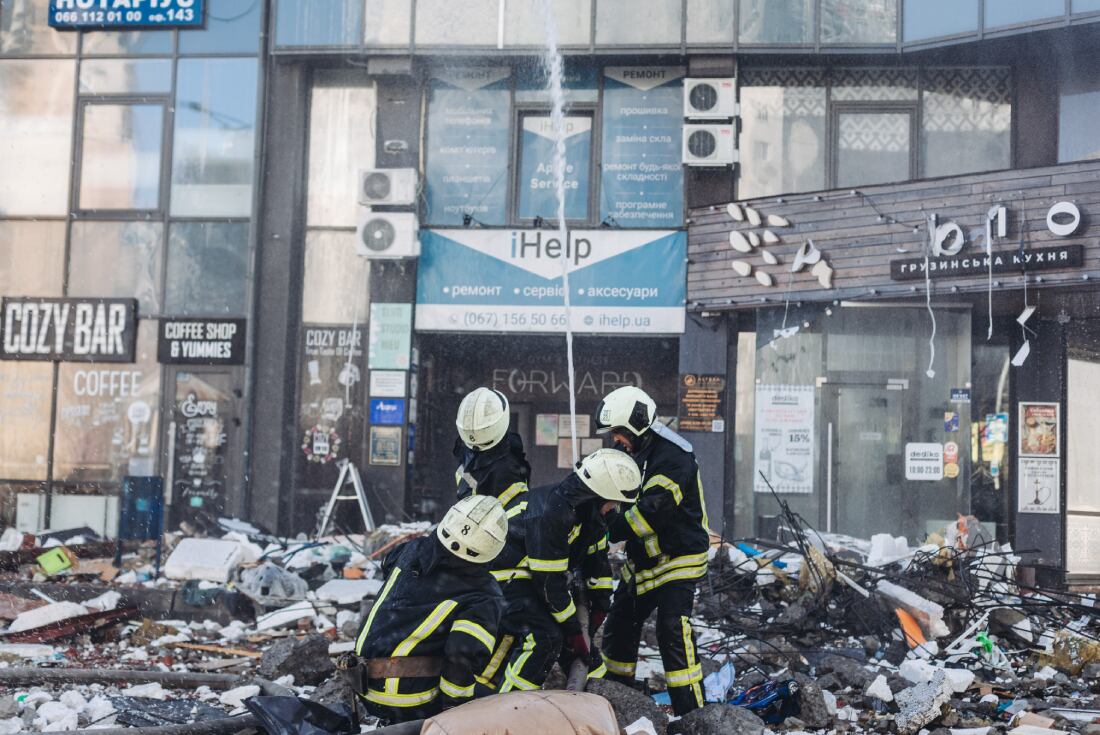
[[537, 245]]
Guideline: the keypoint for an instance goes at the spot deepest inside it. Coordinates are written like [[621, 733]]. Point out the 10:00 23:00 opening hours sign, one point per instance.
[[72, 15]]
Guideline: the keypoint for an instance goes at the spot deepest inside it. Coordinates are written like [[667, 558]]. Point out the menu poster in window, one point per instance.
[[1040, 486], [469, 123], [538, 195], [1039, 434], [642, 181], [390, 336], [702, 402], [385, 446], [784, 439], [203, 404]]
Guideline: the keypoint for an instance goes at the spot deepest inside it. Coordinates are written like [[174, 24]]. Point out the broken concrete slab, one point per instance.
[[922, 703], [285, 616], [348, 591], [813, 709], [880, 689], [929, 614], [212, 560], [718, 719], [45, 615], [629, 704], [307, 660]]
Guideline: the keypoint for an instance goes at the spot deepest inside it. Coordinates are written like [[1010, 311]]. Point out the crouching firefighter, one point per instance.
[[667, 538], [561, 534], [434, 624], [491, 460]]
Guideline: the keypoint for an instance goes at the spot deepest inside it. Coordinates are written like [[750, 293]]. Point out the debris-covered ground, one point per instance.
[[818, 634]]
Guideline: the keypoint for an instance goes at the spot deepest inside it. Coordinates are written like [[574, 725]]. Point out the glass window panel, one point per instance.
[[26, 389], [580, 82], [536, 183], [1078, 113], [967, 121], [341, 142], [214, 146], [32, 258], [312, 23], [872, 147], [25, 30], [117, 259], [935, 18], [859, 21], [96, 440], [873, 85], [120, 157], [447, 23], [125, 76], [524, 23], [1086, 6], [782, 132], [710, 22], [36, 122], [387, 22], [1009, 12], [208, 267], [232, 26], [126, 43], [334, 286], [618, 24], [1082, 428], [783, 22]]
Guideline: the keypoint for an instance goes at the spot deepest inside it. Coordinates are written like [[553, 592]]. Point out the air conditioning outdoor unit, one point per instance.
[[387, 235], [709, 145], [389, 186], [710, 99]]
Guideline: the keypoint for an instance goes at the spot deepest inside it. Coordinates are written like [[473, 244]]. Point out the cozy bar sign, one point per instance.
[[77, 15], [68, 330]]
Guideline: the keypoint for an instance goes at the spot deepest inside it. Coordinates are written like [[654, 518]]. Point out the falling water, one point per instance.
[[554, 64]]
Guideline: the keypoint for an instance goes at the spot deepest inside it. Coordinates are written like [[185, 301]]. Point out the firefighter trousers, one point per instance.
[[622, 634], [536, 644]]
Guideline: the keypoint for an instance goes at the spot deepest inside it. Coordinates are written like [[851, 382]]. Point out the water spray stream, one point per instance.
[[554, 64]]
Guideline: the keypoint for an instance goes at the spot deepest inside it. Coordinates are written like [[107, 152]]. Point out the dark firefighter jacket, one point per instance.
[[561, 530], [666, 532], [501, 471], [433, 604]]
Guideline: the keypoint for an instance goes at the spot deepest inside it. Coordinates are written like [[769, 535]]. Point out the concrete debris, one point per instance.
[[45, 615], [285, 616], [718, 719], [642, 727], [629, 704], [922, 703], [235, 697], [147, 691], [348, 591], [929, 614], [269, 584], [307, 660], [206, 559], [880, 689]]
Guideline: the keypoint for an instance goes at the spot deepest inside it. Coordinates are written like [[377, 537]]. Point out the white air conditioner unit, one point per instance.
[[389, 186], [709, 145], [387, 235], [710, 99]]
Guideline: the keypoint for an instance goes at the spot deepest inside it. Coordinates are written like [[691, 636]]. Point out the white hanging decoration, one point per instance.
[[1025, 315], [764, 279], [769, 257], [824, 273], [741, 268], [770, 237], [808, 254], [753, 215], [739, 243], [930, 372], [997, 213], [735, 212], [1022, 354], [1068, 228], [774, 220], [754, 239]]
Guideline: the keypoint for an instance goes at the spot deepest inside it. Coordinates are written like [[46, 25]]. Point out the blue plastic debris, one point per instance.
[[772, 702]]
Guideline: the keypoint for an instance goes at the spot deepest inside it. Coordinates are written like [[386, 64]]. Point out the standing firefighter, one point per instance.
[[562, 531], [667, 538], [434, 625], [490, 458]]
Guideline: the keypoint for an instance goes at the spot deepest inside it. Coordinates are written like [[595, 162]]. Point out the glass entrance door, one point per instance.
[[1082, 462]]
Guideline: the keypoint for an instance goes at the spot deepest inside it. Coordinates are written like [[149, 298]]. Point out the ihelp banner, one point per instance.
[[621, 281]]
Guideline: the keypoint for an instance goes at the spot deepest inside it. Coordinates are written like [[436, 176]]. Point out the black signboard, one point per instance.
[[76, 15], [201, 342], [968, 265], [68, 330], [702, 402]]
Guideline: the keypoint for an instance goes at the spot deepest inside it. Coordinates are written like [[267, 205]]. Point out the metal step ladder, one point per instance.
[[349, 474]]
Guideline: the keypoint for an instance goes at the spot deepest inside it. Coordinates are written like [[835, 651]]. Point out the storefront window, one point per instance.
[[778, 22], [207, 269], [1079, 108], [125, 76], [967, 121], [25, 392], [709, 22], [859, 21], [310, 23], [617, 22], [873, 85], [1082, 462], [25, 31], [1010, 12], [1086, 6], [120, 156], [232, 26], [525, 25], [334, 288], [126, 43], [214, 144], [32, 258], [36, 110], [447, 23], [341, 129], [935, 18], [782, 132], [107, 415], [873, 147], [536, 182], [387, 22], [117, 259]]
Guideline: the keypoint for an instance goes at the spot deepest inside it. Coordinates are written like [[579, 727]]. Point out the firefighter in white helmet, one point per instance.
[[434, 624], [561, 532], [491, 460], [667, 538]]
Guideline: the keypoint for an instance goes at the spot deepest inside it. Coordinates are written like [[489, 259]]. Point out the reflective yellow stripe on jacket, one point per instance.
[[471, 628], [667, 484], [374, 610], [690, 566], [387, 699]]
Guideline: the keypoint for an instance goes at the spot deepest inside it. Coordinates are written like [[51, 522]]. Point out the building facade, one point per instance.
[[209, 177]]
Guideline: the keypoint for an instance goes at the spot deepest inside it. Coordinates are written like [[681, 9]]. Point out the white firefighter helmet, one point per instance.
[[611, 474], [474, 529], [628, 408], [482, 419]]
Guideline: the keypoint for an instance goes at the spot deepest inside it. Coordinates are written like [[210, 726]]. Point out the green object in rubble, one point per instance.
[[986, 644], [55, 560]]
